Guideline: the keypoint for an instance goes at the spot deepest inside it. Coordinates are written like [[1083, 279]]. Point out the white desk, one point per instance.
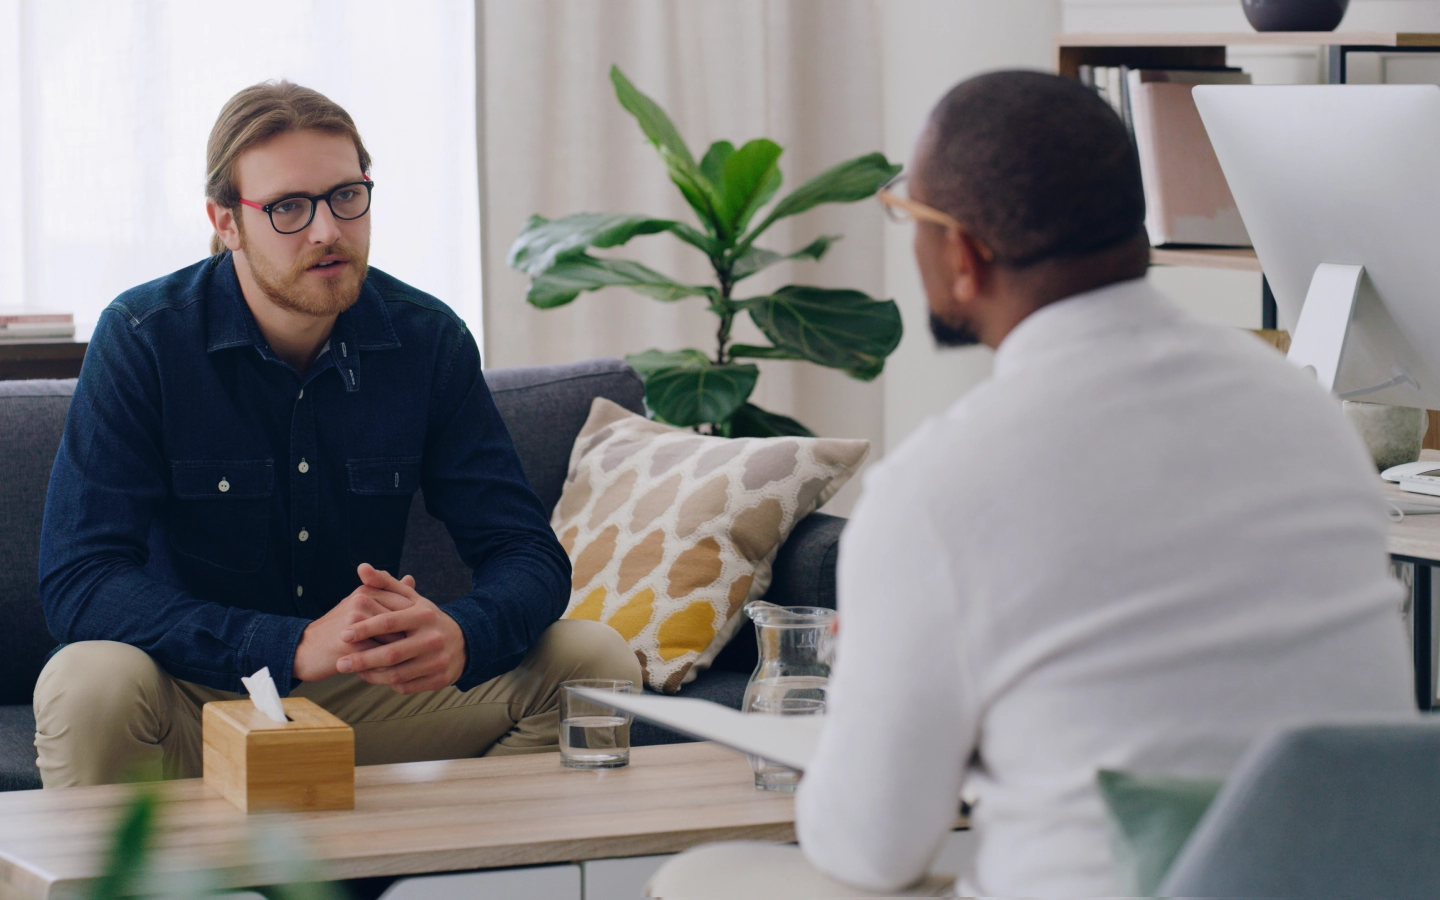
[[1416, 540]]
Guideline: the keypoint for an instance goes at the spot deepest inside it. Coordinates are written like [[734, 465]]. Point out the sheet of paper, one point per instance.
[[264, 695], [787, 740]]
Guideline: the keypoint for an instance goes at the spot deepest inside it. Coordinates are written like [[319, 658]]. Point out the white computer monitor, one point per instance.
[[1339, 187]]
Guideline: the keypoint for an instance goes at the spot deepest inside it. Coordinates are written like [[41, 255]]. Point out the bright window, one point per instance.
[[105, 107]]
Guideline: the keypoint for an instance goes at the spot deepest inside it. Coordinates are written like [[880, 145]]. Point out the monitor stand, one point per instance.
[[1319, 338], [1318, 343]]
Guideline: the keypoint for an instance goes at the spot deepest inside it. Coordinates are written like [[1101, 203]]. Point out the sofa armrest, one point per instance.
[[804, 576]]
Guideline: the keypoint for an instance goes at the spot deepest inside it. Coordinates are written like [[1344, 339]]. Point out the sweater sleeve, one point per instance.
[[883, 789]]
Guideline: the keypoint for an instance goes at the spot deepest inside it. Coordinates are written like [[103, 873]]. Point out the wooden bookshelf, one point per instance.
[[41, 359], [1236, 259], [1196, 49], [1147, 50]]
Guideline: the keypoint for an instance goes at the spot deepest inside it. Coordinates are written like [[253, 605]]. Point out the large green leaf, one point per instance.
[[713, 165], [544, 241], [751, 176], [694, 390], [757, 258], [569, 276], [651, 118], [848, 182], [752, 421], [841, 329], [652, 361], [754, 351], [702, 196]]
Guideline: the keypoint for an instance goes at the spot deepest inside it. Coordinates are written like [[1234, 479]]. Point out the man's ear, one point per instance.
[[969, 264], [225, 223]]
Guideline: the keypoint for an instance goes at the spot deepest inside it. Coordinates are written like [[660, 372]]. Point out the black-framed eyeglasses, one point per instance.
[[290, 215]]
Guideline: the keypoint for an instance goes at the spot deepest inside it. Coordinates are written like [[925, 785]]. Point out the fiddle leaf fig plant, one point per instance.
[[727, 189]]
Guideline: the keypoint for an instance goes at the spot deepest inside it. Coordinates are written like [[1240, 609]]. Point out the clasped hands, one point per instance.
[[384, 633]]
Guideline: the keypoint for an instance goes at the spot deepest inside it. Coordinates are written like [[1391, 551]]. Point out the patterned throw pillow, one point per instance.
[[671, 533]]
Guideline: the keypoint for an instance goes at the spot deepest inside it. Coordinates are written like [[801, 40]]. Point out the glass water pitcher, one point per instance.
[[796, 649]]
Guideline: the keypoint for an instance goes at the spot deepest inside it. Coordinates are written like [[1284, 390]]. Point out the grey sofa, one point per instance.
[[544, 408]]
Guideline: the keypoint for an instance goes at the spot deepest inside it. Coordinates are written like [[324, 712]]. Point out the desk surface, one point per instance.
[[1415, 537], [412, 818]]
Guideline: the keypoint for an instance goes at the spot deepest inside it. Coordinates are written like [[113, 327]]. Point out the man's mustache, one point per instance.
[[313, 257]]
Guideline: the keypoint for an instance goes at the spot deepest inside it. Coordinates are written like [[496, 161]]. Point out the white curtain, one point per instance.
[[105, 107], [805, 73]]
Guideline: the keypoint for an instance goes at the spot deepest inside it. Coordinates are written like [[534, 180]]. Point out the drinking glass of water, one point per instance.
[[593, 735], [771, 776]]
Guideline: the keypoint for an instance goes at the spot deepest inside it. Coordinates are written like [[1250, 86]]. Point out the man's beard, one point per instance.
[[328, 297], [947, 335]]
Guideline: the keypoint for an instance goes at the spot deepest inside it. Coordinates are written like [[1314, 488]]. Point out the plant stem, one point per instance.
[[722, 335]]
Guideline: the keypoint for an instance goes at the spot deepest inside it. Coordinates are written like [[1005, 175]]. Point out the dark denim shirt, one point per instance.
[[208, 501]]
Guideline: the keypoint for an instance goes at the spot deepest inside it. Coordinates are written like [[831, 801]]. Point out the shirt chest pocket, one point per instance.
[[378, 506], [220, 511]]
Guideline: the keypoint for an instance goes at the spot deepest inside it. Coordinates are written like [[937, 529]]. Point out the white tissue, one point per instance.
[[264, 695]]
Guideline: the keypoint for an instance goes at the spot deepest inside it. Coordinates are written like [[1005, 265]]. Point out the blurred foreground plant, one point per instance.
[[129, 873]]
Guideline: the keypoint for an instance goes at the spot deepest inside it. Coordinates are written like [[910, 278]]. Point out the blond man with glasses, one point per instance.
[[236, 471]]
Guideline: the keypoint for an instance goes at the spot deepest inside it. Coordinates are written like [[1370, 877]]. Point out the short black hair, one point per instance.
[[1037, 166]]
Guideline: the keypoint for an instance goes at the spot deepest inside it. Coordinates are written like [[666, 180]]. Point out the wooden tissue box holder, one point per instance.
[[261, 765]]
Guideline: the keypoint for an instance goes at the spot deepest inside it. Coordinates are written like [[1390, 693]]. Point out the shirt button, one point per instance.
[[224, 485], [303, 467], [304, 535], [302, 394], [299, 590]]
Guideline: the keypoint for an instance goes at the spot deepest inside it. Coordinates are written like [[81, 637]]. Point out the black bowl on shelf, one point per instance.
[[1294, 15]]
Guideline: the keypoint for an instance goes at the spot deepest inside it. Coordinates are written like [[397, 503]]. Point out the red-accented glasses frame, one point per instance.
[[314, 201]]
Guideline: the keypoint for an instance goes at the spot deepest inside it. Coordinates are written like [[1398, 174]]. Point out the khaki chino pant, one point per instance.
[[105, 711]]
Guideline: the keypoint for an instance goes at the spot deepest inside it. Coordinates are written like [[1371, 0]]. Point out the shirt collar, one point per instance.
[[1113, 308], [229, 323]]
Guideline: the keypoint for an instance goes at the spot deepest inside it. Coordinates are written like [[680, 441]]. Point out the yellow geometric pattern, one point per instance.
[[671, 533]]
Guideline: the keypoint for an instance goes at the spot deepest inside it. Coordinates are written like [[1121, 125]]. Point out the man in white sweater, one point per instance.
[[1139, 544]]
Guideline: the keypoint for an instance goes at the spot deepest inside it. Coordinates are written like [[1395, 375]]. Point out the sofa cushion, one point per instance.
[[17, 749], [32, 418], [544, 408], [671, 533], [804, 576], [725, 688]]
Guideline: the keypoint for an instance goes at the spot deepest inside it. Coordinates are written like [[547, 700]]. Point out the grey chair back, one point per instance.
[[1323, 811]]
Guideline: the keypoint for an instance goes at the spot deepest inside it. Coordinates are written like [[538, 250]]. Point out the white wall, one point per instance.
[[827, 79], [927, 46]]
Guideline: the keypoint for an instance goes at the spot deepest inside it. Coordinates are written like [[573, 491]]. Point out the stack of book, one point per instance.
[[1186, 198], [16, 325]]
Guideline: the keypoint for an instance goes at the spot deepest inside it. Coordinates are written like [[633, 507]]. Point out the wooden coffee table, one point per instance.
[[409, 819]]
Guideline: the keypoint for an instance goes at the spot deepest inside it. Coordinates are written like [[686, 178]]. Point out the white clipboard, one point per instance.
[[787, 740]]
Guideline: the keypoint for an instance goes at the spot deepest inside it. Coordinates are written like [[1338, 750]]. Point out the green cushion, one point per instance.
[[1151, 817]]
